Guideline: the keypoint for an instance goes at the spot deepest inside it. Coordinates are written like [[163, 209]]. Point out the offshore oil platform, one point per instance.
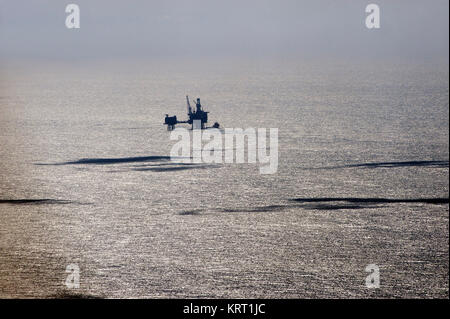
[[197, 115]]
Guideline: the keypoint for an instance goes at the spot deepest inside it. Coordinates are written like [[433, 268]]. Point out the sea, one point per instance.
[[92, 206]]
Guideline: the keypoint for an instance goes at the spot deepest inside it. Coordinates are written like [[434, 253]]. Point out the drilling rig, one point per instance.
[[198, 115]]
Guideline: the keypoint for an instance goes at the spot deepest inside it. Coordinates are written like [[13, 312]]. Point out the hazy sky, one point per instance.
[[228, 28]]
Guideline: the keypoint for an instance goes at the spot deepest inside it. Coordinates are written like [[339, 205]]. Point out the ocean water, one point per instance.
[[362, 179]]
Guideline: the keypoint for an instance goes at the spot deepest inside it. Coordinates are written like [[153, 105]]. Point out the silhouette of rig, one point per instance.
[[197, 116]]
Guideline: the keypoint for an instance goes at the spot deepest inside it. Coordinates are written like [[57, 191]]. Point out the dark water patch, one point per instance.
[[190, 212], [164, 164], [324, 203], [336, 207], [107, 161], [368, 200], [42, 201], [162, 169], [402, 164], [257, 209], [280, 208], [73, 295], [439, 164], [173, 168]]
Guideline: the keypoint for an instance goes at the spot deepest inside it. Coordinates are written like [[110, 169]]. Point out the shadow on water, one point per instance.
[[174, 168], [337, 207], [42, 201], [368, 200], [106, 161], [325, 203], [440, 164], [190, 212], [159, 163], [280, 208], [257, 209], [71, 295]]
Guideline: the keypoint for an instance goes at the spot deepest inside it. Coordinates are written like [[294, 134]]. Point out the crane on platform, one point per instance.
[[198, 115]]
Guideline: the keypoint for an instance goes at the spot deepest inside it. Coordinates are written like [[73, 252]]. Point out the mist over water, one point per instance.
[[362, 179], [201, 29]]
